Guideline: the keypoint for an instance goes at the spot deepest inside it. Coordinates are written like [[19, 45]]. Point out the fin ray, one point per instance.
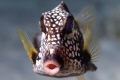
[[91, 45], [87, 16], [31, 51]]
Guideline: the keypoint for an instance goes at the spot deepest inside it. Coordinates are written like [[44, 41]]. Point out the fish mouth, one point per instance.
[[51, 67]]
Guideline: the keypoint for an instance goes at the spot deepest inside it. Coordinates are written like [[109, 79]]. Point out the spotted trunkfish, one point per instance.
[[63, 50]]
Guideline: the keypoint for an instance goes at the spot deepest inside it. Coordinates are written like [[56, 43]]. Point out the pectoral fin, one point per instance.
[[31, 51], [91, 45]]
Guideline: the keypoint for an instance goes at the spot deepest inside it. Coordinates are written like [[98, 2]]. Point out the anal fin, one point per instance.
[[81, 77]]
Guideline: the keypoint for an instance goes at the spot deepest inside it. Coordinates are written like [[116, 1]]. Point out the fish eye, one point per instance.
[[69, 25], [43, 29]]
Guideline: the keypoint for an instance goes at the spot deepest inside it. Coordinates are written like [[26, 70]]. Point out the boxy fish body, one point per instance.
[[62, 50]]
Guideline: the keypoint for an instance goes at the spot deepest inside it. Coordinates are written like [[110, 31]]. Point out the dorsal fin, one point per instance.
[[86, 20], [86, 17], [31, 51], [91, 45]]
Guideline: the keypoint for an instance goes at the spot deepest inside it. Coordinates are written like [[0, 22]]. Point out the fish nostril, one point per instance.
[[51, 66]]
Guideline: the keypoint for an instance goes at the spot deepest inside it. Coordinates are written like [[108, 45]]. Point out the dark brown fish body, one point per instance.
[[62, 42], [62, 51]]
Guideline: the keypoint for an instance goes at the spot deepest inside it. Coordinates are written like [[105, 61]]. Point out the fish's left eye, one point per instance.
[[43, 29], [69, 25]]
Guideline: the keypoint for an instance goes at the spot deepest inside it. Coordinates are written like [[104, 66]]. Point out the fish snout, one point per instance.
[[51, 67]]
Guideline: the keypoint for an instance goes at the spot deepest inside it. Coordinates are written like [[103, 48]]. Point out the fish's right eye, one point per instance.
[[69, 25], [43, 29]]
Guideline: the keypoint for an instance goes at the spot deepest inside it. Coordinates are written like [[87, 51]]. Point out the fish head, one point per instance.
[[56, 22], [62, 52], [56, 26]]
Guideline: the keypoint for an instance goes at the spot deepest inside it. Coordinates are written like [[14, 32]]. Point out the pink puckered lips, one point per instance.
[[51, 67]]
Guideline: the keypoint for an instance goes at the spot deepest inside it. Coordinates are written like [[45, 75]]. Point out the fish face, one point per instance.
[[63, 52], [61, 44]]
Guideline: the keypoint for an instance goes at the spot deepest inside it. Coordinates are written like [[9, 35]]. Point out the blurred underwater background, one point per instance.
[[25, 14]]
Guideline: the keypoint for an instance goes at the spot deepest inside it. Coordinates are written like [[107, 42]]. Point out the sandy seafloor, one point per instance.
[[25, 14]]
